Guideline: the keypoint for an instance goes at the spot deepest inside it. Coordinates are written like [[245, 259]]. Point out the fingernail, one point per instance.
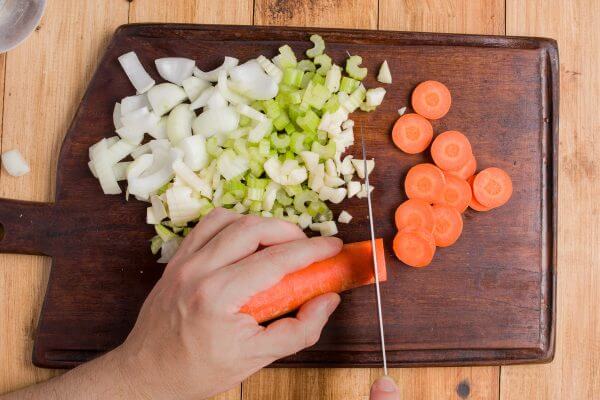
[[385, 384], [332, 304]]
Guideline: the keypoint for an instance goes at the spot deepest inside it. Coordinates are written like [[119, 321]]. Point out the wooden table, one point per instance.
[[44, 79]]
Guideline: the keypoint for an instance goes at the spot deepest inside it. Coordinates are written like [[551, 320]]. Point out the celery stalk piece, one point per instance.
[[333, 77], [353, 69], [139, 78], [324, 63], [318, 48], [175, 69], [262, 129], [306, 65], [384, 75], [271, 69]]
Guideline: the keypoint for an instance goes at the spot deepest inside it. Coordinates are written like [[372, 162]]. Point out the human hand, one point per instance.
[[190, 341], [384, 388]]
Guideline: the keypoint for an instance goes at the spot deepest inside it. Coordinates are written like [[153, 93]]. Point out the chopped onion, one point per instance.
[[216, 100], [194, 152], [401, 111], [271, 69], [359, 166], [175, 69], [262, 129], [120, 170], [164, 97], [191, 179], [327, 228], [141, 81], [346, 167], [216, 120], [223, 87], [304, 220], [333, 181], [119, 150], [159, 131], [14, 163], [231, 165], [334, 195], [353, 188], [141, 150], [344, 217], [311, 160], [375, 96], [117, 116], [132, 103], [193, 86], [363, 191], [168, 250], [183, 206], [250, 112], [270, 195], [253, 82], [213, 76], [203, 98], [179, 123], [136, 123], [103, 166], [384, 75], [159, 174]]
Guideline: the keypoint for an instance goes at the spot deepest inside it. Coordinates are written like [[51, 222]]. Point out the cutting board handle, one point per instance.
[[24, 227]]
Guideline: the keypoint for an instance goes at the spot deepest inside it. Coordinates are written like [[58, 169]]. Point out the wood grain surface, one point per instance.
[[572, 22]]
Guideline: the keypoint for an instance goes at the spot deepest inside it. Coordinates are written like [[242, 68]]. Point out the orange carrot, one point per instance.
[[414, 247], [492, 187], [351, 268], [451, 150], [457, 193], [412, 133], [474, 204], [431, 99], [415, 213], [466, 171], [425, 182], [448, 225]]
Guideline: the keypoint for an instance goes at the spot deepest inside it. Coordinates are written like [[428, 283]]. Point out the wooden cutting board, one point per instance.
[[489, 299]]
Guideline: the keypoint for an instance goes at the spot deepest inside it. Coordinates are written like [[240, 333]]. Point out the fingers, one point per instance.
[[384, 388], [242, 238], [265, 268], [206, 229], [290, 335]]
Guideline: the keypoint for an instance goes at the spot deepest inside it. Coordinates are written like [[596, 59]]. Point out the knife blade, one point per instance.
[[375, 264]]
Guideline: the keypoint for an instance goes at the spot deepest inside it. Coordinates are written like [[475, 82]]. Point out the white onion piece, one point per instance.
[[231, 165], [311, 160], [175, 69], [150, 218], [202, 99], [159, 143], [168, 250], [345, 217], [132, 103], [136, 123], [213, 76], [194, 152], [271, 69], [191, 179], [216, 120], [252, 81], [223, 87], [359, 166], [103, 166], [117, 116], [131, 135], [141, 81], [374, 97], [120, 170], [353, 188], [158, 208], [270, 196], [183, 206], [261, 129], [216, 100], [164, 96], [159, 174], [159, 131], [14, 163], [141, 150], [194, 86], [139, 166], [120, 150], [179, 123], [250, 112]]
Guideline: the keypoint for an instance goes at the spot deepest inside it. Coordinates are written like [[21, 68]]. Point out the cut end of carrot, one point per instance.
[[351, 268], [431, 99], [474, 204], [448, 225], [412, 133], [457, 193], [451, 150], [466, 171], [415, 213], [425, 182], [492, 187], [415, 247]]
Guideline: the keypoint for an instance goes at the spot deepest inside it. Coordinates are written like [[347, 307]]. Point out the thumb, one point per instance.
[[384, 388]]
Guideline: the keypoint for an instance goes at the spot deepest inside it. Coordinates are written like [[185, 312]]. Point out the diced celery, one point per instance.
[[165, 233], [324, 61], [286, 57], [322, 137], [244, 121], [293, 190], [318, 79], [271, 108], [289, 155], [281, 122], [347, 85], [206, 207], [306, 79], [264, 147], [164, 188], [318, 48], [324, 152], [366, 108], [253, 182], [255, 194], [308, 121], [332, 80], [278, 212], [228, 199], [315, 95], [255, 206], [155, 244], [228, 144], [236, 188], [301, 200], [240, 146], [290, 128], [292, 77], [319, 211], [212, 146], [354, 100], [257, 105], [332, 105], [186, 231], [353, 69], [297, 142], [256, 168], [294, 111], [306, 65], [280, 141], [293, 97], [283, 198]]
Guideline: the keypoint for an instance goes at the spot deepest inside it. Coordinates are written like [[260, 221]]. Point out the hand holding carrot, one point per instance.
[[190, 341]]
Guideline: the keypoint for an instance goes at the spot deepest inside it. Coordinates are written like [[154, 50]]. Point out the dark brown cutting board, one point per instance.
[[488, 299]]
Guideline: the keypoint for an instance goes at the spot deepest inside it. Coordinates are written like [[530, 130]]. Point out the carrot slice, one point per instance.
[[351, 268], [457, 193], [451, 150], [431, 99], [492, 187], [474, 204], [448, 225], [415, 213], [425, 182], [412, 133], [414, 247], [466, 171]]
